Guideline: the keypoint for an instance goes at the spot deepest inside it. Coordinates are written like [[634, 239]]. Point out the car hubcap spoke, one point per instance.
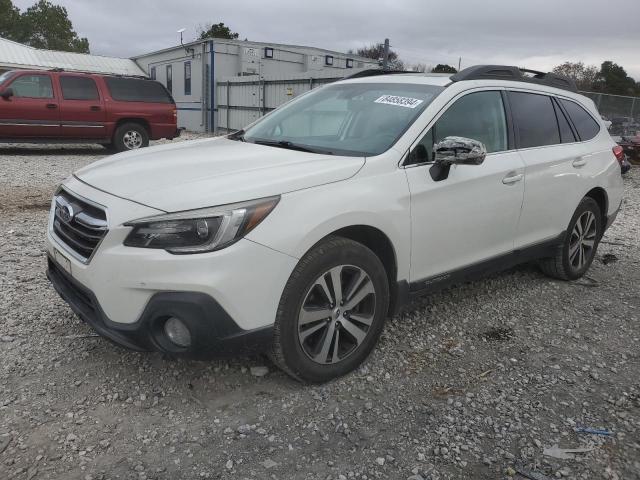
[[360, 295], [583, 240], [336, 314], [354, 331], [336, 280], [310, 316], [325, 343]]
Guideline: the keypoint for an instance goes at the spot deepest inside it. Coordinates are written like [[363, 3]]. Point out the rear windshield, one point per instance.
[[137, 90]]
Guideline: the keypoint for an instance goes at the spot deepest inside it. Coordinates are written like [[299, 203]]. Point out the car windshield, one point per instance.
[[354, 119], [6, 76]]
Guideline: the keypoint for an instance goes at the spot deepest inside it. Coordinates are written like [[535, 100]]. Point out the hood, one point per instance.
[[213, 171]]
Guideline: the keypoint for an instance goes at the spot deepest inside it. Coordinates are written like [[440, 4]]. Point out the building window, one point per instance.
[[268, 52], [152, 73], [169, 79], [328, 60], [187, 78], [349, 62]]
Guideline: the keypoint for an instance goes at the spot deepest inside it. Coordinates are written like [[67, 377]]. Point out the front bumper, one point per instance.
[[122, 291], [213, 331]]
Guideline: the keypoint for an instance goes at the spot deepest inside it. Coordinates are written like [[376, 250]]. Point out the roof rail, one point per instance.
[[504, 72], [372, 72]]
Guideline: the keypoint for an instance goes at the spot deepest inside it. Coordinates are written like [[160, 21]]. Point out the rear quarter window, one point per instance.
[[585, 124], [137, 90]]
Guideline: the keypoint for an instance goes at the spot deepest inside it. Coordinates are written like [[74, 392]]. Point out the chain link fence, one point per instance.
[[623, 112]]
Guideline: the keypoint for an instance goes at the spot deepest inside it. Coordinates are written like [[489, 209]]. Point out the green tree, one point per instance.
[[376, 51], [217, 30], [9, 20], [585, 76], [42, 25], [444, 68], [614, 79]]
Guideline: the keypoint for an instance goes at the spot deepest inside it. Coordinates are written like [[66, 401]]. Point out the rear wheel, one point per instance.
[[332, 311], [130, 136], [574, 258]]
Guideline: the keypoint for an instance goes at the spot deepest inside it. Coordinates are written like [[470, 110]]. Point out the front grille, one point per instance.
[[78, 224]]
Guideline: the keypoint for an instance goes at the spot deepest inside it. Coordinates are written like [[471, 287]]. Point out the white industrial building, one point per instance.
[[218, 84], [201, 76]]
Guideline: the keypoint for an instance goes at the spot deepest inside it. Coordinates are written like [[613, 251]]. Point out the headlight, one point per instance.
[[197, 231]]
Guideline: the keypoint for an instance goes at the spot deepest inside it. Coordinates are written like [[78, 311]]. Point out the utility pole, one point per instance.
[[385, 55], [459, 62]]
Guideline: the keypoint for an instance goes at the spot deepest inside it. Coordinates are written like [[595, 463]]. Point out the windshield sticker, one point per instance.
[[406, 102]]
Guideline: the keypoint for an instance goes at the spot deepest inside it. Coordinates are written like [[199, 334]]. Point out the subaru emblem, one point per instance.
[[66, 213]]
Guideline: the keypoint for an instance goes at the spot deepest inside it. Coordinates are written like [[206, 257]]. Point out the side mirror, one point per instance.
[[6, 94], [459, 150], [455, 151]]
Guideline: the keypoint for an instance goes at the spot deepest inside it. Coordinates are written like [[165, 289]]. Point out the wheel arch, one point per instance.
[[599, 194], [140, 121], [381, 245]]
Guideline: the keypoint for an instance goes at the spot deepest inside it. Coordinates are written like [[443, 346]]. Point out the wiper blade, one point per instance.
[[291, 146], [239, 135]]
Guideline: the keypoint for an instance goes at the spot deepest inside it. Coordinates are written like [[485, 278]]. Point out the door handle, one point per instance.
[[511, 179], [51, 105], [579, 162], [94, 108]]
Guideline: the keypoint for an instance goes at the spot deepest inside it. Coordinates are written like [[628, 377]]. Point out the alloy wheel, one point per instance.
[[583, 240], [132, 140], [336, 314]]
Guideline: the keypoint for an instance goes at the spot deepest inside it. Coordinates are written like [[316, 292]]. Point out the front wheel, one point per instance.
[[130, 136], [579, 248], [331, 312]]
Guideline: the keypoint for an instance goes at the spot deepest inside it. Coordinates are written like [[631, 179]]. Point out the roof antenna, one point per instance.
[[189, 50]]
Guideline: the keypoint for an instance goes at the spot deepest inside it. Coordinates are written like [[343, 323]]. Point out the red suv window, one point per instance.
[[137, 90]]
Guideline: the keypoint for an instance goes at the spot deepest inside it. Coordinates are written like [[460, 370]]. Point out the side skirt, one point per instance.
[[482, 269]]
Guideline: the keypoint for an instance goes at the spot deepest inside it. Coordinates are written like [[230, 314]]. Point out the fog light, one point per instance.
[[177, 332]]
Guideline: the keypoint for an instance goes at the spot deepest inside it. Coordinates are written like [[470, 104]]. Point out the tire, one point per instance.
[[130, 136], [305, 351], [566, 264]]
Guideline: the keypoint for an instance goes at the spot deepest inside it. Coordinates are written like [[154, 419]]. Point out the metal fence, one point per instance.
[[242, 100], [622, 111]]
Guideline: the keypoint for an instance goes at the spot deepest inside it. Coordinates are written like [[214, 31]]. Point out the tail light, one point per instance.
[[175, 115], [618, 151]]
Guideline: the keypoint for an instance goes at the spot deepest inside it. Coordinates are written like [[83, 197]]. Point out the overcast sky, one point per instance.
[[529, 33]]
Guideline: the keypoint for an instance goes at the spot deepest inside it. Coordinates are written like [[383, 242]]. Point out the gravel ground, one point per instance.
[[474, 382]]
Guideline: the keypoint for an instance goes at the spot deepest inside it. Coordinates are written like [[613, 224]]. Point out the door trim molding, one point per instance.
[[478, 270]]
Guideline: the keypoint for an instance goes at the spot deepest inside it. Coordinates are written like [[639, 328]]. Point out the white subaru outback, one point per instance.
[[299, 235]]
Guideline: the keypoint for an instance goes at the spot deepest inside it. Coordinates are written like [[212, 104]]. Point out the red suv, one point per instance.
[[64, 107]]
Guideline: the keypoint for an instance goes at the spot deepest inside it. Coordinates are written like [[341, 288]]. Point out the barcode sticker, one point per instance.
[[406, 102]]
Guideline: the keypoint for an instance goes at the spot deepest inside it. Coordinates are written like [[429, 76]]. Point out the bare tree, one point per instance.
[[376, 51], [420, 67], [585, 76]]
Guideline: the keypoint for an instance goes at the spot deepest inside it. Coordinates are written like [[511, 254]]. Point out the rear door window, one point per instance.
[[137, 90], [566, 134], [535, 119], [78, 88], [586, 126], [33, 86]]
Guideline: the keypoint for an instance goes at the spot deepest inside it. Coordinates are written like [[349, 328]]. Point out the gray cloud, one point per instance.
[[536, 34]]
